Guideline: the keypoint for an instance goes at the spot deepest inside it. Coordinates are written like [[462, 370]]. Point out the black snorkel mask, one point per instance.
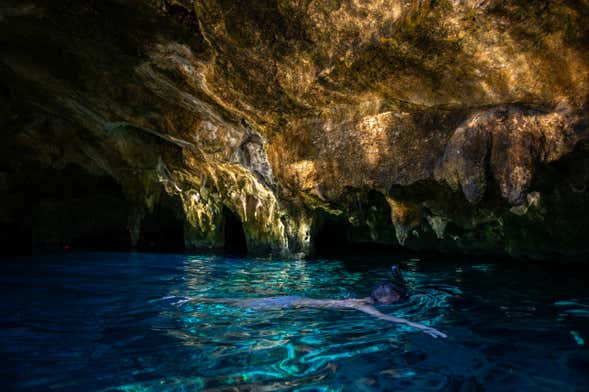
[[397, 276], [399, 283]]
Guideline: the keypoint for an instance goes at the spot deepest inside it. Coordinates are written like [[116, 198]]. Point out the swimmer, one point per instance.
[[383, 294]]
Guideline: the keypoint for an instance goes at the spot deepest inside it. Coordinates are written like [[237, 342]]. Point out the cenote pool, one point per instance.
[[100, 322]]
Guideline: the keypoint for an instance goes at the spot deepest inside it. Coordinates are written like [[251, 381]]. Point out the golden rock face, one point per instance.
[[424, 123]]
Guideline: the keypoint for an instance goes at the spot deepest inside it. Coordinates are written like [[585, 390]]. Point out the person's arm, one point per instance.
[[178, 300], [371, 310]]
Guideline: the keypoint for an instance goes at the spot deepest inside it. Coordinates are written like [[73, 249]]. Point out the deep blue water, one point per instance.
[[96, 321]]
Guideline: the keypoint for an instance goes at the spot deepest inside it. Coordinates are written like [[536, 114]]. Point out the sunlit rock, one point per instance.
[[458, 126]]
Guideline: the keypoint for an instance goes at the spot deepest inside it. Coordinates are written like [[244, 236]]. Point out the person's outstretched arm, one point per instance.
[[371, 310], [178, 300]]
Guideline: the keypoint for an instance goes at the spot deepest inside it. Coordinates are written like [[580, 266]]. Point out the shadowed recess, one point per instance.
[[331, 235], [163, 228], [64, 209], [234, 237]]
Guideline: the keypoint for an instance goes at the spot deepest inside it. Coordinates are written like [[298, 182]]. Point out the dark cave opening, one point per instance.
[[163, 228], [66, 208], [330, 235], [15, 239], [80, 210], [334, 236], [105, 227], [233, 234]]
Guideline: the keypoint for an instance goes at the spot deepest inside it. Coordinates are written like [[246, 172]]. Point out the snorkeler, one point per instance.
[[383, 294]]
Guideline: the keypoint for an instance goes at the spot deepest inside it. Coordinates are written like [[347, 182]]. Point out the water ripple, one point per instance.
[[121, 322]]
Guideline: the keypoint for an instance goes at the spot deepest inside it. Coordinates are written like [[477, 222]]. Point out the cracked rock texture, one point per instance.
[[452, 125]]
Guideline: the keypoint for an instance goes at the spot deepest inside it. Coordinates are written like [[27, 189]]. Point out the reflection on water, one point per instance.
[[106, 322]]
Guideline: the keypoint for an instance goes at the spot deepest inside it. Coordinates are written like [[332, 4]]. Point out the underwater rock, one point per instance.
[[456, 126]]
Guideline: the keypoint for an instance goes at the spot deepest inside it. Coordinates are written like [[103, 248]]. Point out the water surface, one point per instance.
[[100, 322]]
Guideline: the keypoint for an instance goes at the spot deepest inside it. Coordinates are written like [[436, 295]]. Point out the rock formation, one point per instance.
[[445, 125]]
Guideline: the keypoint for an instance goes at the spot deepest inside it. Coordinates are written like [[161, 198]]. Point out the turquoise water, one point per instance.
[[100, 322]]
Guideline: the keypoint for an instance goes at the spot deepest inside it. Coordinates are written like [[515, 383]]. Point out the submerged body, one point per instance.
[[385, 293], [365, 305]]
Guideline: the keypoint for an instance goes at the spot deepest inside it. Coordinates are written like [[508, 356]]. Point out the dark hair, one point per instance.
[[387, 289]]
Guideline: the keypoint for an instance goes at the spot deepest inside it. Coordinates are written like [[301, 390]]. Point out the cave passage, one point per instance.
[[331, 236], [336, 237], [163, 228], [233, 234], [15, 239], [63, 209]]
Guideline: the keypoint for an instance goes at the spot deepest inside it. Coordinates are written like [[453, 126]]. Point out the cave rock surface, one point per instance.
[[448, 125]]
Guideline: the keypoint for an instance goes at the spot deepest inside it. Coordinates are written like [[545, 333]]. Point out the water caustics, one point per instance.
[[291, 346], [122, 322]]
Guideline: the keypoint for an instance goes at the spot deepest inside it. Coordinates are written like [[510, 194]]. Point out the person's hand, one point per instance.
[[434, 333]]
